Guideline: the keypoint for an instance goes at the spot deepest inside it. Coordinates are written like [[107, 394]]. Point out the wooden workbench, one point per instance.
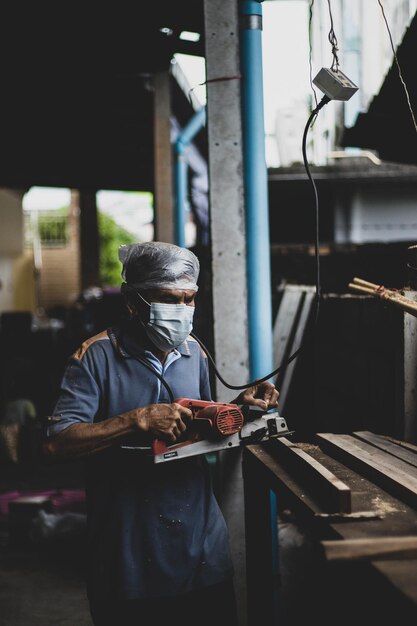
[[355, 497]]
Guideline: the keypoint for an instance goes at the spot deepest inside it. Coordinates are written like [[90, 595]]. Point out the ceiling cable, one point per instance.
[[310, 49], [334, 45], [333, 41], [398, 65]]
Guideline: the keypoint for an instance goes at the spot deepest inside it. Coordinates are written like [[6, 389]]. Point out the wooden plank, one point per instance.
[[306, 305], [163, 177], [370, 548], [329, 489], [391, 474], [328, 590], [275, 476], [284, 326], [409, 372], [89, 239], [382, 443], [403, 444], [390, 461]]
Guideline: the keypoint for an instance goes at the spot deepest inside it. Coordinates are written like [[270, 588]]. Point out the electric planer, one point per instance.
[[220, 426]]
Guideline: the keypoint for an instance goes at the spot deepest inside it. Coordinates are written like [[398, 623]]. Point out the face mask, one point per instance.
[[169, 324]]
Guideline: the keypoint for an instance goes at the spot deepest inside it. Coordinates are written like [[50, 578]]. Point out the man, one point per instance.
[[158, 543]]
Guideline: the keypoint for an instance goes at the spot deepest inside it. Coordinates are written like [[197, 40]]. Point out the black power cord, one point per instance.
[[157, 374], [287, 361], [313, 115]]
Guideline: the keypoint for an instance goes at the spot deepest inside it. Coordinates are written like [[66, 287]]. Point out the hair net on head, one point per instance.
[[155, 264]]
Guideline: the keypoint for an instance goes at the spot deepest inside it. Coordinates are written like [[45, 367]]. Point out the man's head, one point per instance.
[[158, 265], [158, 276]]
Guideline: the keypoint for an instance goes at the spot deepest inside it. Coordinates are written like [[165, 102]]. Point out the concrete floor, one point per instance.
[[41, 588], [42, 585]]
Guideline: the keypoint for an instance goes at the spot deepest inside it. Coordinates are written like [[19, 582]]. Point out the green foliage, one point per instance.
[[111, 237], [52, 227], [53, 230]]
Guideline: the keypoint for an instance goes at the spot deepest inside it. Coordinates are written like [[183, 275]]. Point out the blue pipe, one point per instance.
[[257, 219], [181, 172], [256, 193], [181, 199]]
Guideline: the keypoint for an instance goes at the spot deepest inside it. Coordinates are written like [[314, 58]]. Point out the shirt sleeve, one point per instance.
[[78, 400]]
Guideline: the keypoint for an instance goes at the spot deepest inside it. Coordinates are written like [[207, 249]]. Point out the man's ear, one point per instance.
[[127, 294], [135, 306]]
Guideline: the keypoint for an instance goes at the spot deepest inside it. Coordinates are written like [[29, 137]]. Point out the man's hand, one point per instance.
[[264, 395], [166, 421]]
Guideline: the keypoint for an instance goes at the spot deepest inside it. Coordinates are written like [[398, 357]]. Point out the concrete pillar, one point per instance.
[[226, 185], [228, 250]]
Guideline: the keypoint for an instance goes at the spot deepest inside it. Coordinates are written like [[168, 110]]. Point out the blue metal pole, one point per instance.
[[257, 218], [256, 193], [181, 172], [181, 200]]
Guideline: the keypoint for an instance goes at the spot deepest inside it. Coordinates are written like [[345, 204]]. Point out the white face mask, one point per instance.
[[169, 324]]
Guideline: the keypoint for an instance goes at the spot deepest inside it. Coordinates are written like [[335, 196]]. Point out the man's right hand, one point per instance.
[[166, 421], [163, 421]]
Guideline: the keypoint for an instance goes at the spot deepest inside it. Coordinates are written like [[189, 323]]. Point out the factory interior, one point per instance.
[[308, 279]]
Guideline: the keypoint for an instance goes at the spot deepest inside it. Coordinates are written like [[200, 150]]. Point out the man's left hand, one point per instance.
[[264, 395]]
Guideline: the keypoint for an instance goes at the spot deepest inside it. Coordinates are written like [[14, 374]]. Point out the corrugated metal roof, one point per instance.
[[388, 127], [350, 168]]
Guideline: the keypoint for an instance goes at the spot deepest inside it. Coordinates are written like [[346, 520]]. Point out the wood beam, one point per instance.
[[329, 489], [89, 239], [163, 178], [370, 549]]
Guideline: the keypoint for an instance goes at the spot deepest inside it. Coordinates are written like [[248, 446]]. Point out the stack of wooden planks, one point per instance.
[[357, 348], [387, 462], [356, 496]]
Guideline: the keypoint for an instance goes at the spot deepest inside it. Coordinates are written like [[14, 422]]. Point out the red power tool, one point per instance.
[[219, 426]]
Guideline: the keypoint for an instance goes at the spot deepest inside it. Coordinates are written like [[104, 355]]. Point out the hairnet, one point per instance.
[[159, 265]]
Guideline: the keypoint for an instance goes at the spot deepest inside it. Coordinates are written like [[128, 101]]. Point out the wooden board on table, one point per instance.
[[325, 485], [391, 473], [389, 446], [370, 549], [403, 444]]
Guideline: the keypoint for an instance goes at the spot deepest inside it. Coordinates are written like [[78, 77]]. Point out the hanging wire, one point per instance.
[[398, 65], [333, 42], [311, 119], [310, 49], [307, 336]]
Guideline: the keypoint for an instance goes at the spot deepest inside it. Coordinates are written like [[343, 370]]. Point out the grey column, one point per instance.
[[226, 186], [228, 247]]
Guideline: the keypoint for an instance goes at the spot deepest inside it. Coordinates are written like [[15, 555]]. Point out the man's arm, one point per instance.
[[81, 439]]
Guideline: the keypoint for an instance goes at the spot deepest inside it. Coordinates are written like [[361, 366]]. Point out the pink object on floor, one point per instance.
[[5, 498], [69, 500], [62, 499]]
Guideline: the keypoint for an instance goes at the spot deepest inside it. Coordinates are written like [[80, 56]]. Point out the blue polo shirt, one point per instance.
[[153, 529]]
